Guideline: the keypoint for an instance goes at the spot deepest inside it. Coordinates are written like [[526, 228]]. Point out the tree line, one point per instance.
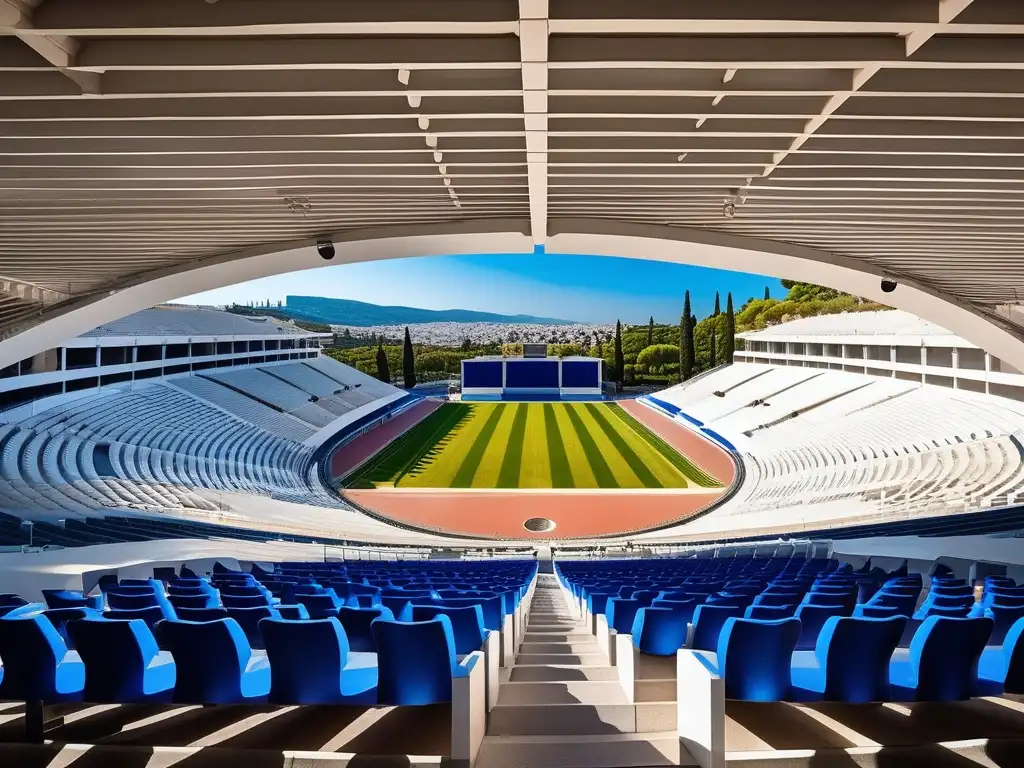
[[643, 354]]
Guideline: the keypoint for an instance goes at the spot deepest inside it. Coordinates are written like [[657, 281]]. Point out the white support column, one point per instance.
[[956, 367], [988, 370], [533, 52], [924, 361], [892, 360]]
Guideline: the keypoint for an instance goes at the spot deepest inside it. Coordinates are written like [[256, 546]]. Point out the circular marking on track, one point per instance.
[[539, 525]]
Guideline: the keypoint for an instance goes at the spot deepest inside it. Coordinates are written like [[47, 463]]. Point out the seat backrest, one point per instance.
[[295, 612], [306, 659], [201, 614], [855, 653], [621, 612], [59, 618], [319, 606], [190, 601], [210, 657], [754, 658], [150, 615], [945, 652], [491, 607], [30, 649], [131, 602], [244, 601], [1013, 652], [812, 619], [357, 621], [116, 653], [778, 598], [467, 624], [1003, 618], [660, 630], [249, 619], [707, 624], [645, 596], [423, 677], [65, 598]]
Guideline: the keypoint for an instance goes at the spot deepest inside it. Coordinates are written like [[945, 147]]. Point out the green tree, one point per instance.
[[714, 346], [467, 344], [685, 341], [408, 362], [730, 330], [767, 293], [718, 306], [620, 368], [650, 331], [383, 371], [657, 355]]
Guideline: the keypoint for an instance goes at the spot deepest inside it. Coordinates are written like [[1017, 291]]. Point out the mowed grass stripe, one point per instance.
[[438, 467], [671, 455], [582, 472], [561, 474], [602, 473], [508, 475], [534, 469], [494, 454], [464, 476], [636, 464]]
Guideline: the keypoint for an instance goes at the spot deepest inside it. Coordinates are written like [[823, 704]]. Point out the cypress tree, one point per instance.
[[408, 362], [383, 371], [619, 367], [718, 306], [650, 331], [714, 346], [767, 293], [730, 330], [685, 341]]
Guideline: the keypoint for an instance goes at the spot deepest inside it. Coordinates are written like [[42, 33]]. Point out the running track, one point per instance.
[[351, 455]]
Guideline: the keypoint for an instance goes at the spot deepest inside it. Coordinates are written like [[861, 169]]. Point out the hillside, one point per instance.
[[318, 309]]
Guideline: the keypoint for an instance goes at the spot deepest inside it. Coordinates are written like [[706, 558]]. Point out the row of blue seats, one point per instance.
[[212, 662], [856, 660]]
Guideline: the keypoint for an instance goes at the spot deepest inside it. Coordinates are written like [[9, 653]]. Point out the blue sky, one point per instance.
[[593, 289]]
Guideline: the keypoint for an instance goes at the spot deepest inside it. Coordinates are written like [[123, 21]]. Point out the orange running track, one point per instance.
[[577, 514], [355, 453]]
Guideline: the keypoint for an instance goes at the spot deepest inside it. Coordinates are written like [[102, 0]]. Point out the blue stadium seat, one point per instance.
[[71, 598], [202, 614], [661, 631], [249, 620], [621, 613], [320, 606], [215, 663], [467, 624], [151, 615], [1001, 667], [416, 661], [293, 612], [707, 625], [123, 663], [312, 664], [357, 621], [59, 618], [942, 661], [37, 665], [850, 661], [753, 658], [812, 619]]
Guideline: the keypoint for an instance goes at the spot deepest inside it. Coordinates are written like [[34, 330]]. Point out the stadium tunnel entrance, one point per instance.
[[699, 247]]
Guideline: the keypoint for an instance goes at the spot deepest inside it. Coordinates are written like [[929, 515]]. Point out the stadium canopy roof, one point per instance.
[[139, 139]]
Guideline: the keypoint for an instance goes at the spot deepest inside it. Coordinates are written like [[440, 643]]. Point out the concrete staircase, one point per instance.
[[562, 706]]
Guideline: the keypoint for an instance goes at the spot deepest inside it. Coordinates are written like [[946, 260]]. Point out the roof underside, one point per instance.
[[135, 136]]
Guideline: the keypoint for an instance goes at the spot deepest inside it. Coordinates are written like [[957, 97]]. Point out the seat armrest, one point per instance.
[[700, 709], [469, 708]]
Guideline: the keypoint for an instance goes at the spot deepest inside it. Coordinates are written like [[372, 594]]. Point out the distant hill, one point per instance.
[[318, 309]]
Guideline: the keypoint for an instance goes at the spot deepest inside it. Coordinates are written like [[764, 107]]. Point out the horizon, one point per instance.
[[570, 287]]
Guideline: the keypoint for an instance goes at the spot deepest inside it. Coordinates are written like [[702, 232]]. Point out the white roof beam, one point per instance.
[[59, 50], [533, 48]]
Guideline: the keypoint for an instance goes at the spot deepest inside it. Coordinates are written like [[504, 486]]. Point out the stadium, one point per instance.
[[219, 545]]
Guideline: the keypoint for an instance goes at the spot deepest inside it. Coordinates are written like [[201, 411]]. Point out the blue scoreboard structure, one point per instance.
[[537, 378]]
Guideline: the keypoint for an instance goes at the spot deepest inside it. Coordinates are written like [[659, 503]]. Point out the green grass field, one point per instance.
[[529, 445]]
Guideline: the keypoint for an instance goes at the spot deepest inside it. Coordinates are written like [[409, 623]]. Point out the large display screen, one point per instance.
[[541, 374], [482, 373], [581, 373]]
